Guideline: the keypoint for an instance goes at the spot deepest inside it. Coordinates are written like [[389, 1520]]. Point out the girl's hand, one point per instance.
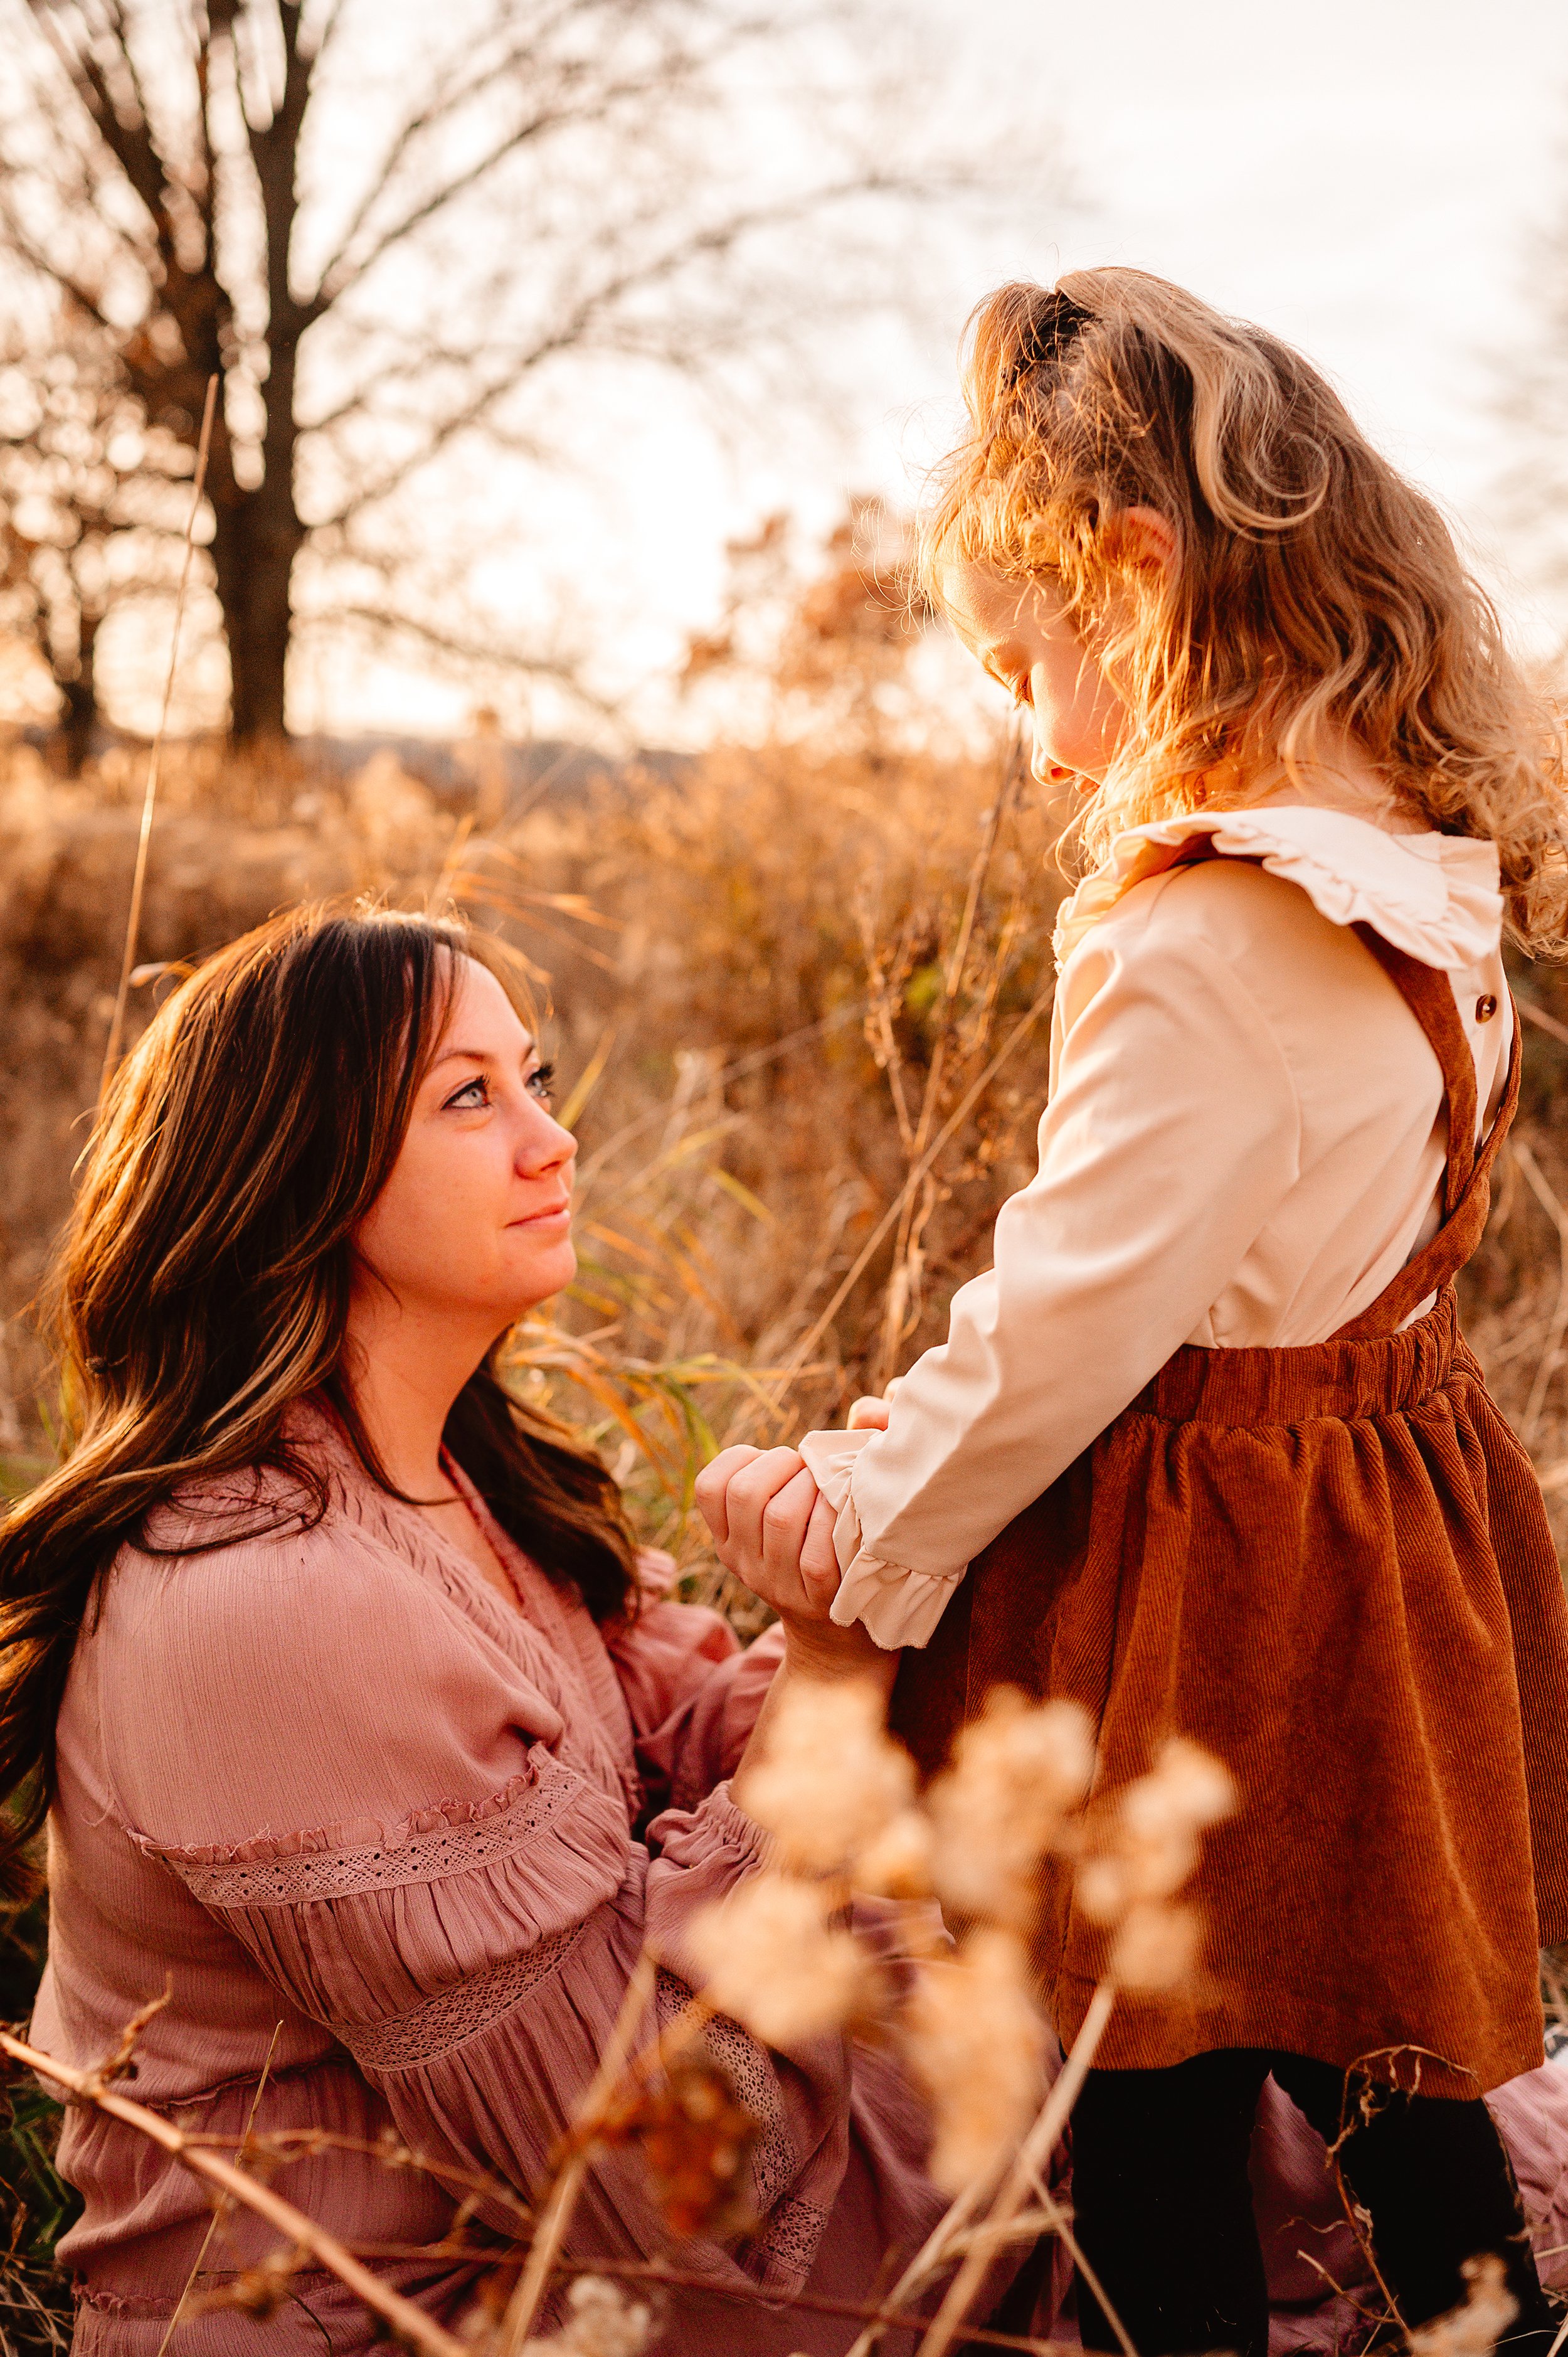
[[870, 1415]]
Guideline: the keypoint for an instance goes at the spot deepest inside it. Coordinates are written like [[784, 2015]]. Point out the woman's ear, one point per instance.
[[1139, 536]]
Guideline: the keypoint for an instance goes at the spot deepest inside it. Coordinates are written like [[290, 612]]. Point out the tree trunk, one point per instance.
[[253, 590], [79, 701], [258, 535]]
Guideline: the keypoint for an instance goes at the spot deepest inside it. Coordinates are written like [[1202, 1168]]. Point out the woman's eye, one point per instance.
[[540, 1082], [470, 1097]]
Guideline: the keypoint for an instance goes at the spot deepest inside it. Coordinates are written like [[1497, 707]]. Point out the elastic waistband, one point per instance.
[[1315, 1378]]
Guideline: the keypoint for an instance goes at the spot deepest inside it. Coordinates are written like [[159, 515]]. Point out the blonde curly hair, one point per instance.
[[1316, 590]]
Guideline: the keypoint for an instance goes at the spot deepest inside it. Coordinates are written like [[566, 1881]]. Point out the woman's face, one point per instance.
[[1016, 629], [475, 1221]]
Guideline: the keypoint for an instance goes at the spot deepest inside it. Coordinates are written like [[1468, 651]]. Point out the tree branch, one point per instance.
[[711, 242], [440, 107], [339, 278]]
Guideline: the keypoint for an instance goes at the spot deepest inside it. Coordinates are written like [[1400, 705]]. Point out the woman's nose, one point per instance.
[[543, 1146]]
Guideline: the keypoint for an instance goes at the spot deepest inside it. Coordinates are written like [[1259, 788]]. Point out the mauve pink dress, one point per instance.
[[328, 1784]]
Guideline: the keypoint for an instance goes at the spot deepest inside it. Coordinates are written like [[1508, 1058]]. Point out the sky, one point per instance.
[[1364, 177]]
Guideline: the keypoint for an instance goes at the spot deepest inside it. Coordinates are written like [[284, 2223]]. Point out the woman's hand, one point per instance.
[[774, 1530]]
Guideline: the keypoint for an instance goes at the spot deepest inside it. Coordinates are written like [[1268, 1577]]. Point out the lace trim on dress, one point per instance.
[[774, 2164], [270, 1877], [788, 2244], [446, 2022]]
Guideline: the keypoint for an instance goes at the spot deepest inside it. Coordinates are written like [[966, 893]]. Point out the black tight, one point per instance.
[[1164, 2207]]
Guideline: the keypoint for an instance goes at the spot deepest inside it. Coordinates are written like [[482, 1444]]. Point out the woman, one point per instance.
[[327, 1659]]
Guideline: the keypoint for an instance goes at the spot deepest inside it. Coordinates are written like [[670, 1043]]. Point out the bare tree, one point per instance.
[[399, 236], [91, 505]]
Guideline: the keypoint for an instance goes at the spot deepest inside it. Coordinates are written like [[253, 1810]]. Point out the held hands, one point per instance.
[[774, 1530]]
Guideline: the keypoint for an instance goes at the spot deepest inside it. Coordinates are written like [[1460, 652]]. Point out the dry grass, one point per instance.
[[771, 982], [762, 1021], [799, 1001]]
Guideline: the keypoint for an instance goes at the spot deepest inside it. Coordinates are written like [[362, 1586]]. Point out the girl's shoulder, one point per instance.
[[1199, 879]]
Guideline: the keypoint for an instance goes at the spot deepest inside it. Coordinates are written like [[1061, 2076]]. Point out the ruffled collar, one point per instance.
[[1433, 896]]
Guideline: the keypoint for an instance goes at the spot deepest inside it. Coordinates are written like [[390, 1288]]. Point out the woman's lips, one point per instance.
[[562, 1210]]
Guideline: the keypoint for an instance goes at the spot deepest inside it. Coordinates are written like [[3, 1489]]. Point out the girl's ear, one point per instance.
[[1139, 536]]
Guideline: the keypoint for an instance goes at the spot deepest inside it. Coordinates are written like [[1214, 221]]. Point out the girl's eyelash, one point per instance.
[[479, 1082], [540, 1081]]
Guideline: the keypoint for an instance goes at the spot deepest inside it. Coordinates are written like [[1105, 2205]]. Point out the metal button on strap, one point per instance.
[[1486, 1007]]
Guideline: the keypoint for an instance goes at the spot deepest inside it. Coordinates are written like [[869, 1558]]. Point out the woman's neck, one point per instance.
[[405, 1370]]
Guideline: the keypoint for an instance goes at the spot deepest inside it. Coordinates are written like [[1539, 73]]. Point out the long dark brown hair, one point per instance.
[[202, 1288]]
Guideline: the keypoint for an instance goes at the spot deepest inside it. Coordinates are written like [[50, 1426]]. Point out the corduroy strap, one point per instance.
[[1466, 1184]]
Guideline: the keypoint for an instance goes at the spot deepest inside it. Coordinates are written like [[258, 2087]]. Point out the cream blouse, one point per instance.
[[1243, 1143]]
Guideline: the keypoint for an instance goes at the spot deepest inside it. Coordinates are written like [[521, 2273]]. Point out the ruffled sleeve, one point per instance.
[[898, 1605], [693, 1696], [264, 1708]]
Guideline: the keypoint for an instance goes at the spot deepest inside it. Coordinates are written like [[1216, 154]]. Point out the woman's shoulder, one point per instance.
[[254, 1664], [264, 1564]]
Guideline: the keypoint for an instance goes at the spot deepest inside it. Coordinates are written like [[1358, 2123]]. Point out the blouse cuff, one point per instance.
[[896, 1606], [693, 1836], [830, 1460]]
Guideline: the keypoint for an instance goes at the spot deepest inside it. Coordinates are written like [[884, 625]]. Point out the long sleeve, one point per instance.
[[1171, 1136], [692, 1695], [396, 1820]]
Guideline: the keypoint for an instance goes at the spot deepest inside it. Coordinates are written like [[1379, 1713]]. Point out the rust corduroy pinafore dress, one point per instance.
[[1331, 1566]]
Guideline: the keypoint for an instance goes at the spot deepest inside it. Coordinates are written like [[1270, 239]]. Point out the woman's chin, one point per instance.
[[545, 1270]]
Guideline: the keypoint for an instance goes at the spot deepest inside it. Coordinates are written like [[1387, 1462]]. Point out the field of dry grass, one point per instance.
[[798, 1002]]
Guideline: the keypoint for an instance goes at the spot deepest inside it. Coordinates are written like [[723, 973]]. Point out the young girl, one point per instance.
[[1205, 1449]]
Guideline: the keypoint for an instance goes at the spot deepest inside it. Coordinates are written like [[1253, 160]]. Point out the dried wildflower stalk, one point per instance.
[[1474, 2328], [600, 2321], [411, 2324], [837, 1793]]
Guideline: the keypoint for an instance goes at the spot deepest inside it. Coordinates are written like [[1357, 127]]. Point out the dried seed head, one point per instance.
[[898, 1863], [1018, 1772], [600, 2321], [695, 2141], [832, 1778], [772, 1960], [1475, 2329], [1156, 1948], [974, 2036], [1148, 1844]]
